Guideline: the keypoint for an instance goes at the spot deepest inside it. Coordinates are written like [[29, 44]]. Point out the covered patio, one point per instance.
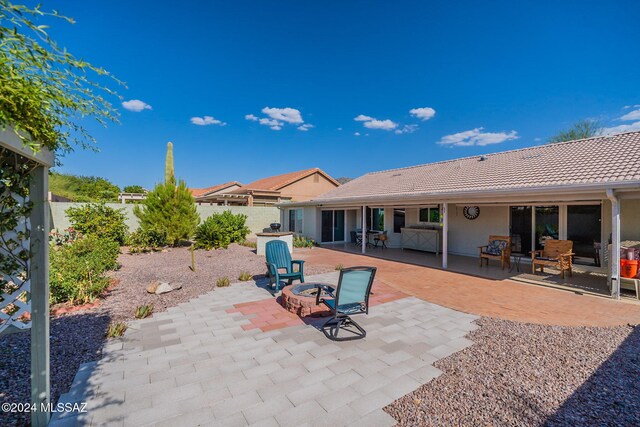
[[584, 280]]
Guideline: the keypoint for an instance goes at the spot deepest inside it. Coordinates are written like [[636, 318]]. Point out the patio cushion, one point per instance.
[[495, 247]]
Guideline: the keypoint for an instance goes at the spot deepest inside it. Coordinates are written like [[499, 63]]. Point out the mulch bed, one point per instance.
[[520, 374], [77, 336]]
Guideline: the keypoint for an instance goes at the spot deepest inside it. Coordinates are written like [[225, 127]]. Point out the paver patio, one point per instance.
[[199, 363], [501, 298]]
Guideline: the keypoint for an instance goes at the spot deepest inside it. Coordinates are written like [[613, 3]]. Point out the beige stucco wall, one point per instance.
[[307, 188]]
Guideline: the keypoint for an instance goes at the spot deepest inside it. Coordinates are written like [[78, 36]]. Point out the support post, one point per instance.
[[614, 256], [445, 234], [364, 229], [39, 278]]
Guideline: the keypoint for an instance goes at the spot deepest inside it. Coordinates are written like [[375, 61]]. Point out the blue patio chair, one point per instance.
[[351, 297], [279, 258]]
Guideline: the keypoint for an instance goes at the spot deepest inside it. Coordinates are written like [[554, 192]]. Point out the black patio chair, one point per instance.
[[351, 297]]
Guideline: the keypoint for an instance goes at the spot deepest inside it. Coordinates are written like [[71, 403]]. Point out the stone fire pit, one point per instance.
[[301, 300]]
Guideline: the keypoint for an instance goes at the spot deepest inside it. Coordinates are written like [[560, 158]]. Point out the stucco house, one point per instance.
[[209, 194], [587, 191], [294, 186]]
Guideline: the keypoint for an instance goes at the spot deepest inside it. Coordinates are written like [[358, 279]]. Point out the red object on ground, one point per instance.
[[628, 268]]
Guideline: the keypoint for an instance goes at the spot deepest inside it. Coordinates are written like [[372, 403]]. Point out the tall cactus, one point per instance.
[[169, 173]]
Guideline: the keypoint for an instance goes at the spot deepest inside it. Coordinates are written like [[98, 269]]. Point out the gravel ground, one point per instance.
[[78, 337], [520, 374]]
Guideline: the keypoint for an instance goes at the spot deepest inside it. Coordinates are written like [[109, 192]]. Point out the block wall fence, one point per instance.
[[258, 217]]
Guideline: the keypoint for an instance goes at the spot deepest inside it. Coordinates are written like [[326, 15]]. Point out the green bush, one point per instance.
[[116, 329], [221, 229], [99, 220], [170, 209], [147, 240], [303, 242], [77, 270]]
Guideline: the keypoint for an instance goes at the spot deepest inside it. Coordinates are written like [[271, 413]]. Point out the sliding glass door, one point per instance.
[[547, 224], [584, 229], [521, 217], [332, 226]]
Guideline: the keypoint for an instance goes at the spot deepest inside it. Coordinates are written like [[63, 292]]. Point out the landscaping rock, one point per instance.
[[163, 288], [152, 287]]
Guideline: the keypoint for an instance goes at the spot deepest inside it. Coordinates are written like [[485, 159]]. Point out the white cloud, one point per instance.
[[406, 129], [477, 137], [632, 115], [357, 134], [381, 124], [537, 139], [632, 127], [424, 113], [371, 123], [206, 121], [305, 127], [136, 105], [273, 124], [339, 128], [288, 115], [277, 117]]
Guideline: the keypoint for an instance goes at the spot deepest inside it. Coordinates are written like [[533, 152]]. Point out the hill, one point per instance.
[[83, 188]]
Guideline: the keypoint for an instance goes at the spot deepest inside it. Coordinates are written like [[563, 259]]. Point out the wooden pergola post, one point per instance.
[[38, 272]]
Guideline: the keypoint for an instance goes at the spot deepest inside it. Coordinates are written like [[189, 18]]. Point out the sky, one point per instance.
[[248, 89]]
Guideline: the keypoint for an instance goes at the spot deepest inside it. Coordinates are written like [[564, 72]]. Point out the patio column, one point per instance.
[[445, 234], [614, 256], [364, 229], [39, 275]]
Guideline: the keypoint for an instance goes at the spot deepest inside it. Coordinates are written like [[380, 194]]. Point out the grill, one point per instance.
[[275, 226]]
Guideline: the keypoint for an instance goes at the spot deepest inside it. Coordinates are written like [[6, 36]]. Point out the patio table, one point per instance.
[[517, 257]]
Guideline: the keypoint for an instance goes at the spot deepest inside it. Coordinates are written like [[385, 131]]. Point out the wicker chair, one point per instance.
[[498, 248], [556, 253]]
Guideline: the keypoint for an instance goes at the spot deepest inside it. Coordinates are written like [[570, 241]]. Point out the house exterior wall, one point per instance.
[[466, 235], [307, 188], [629, 219]]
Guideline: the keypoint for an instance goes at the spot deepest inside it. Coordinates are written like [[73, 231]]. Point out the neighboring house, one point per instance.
[[289, 187], [587, 191], [210, 194]]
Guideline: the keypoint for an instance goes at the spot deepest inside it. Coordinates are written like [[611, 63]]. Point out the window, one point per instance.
[[430, 214], [398, 220], [295, 220], [375, 219]]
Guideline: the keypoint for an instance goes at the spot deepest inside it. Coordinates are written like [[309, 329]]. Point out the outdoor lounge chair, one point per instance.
[[380, 238], [351, 297], [279, 258], [556, 253], [499, 247]]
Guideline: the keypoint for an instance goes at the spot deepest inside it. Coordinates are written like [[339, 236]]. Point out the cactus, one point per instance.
[[169, 173]]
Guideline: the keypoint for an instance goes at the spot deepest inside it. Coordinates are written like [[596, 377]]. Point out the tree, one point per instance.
[[134, 189], [168, 208], [45, 91], [580, 130]]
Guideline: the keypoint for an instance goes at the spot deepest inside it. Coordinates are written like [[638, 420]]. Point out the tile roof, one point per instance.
[[277, 182], [197, 192], [598, 160]]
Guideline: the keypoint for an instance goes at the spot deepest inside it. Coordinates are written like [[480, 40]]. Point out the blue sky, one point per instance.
[[497, 76]]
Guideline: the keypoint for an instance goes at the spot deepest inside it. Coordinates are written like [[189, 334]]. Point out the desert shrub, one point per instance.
[[77, 270], [223, 282], [65, 237], [245, 276], [100, 220], [303, 242], [116, 329], [143, 311], [170, 209], [339, 267], [221, 229], [151, 239]]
